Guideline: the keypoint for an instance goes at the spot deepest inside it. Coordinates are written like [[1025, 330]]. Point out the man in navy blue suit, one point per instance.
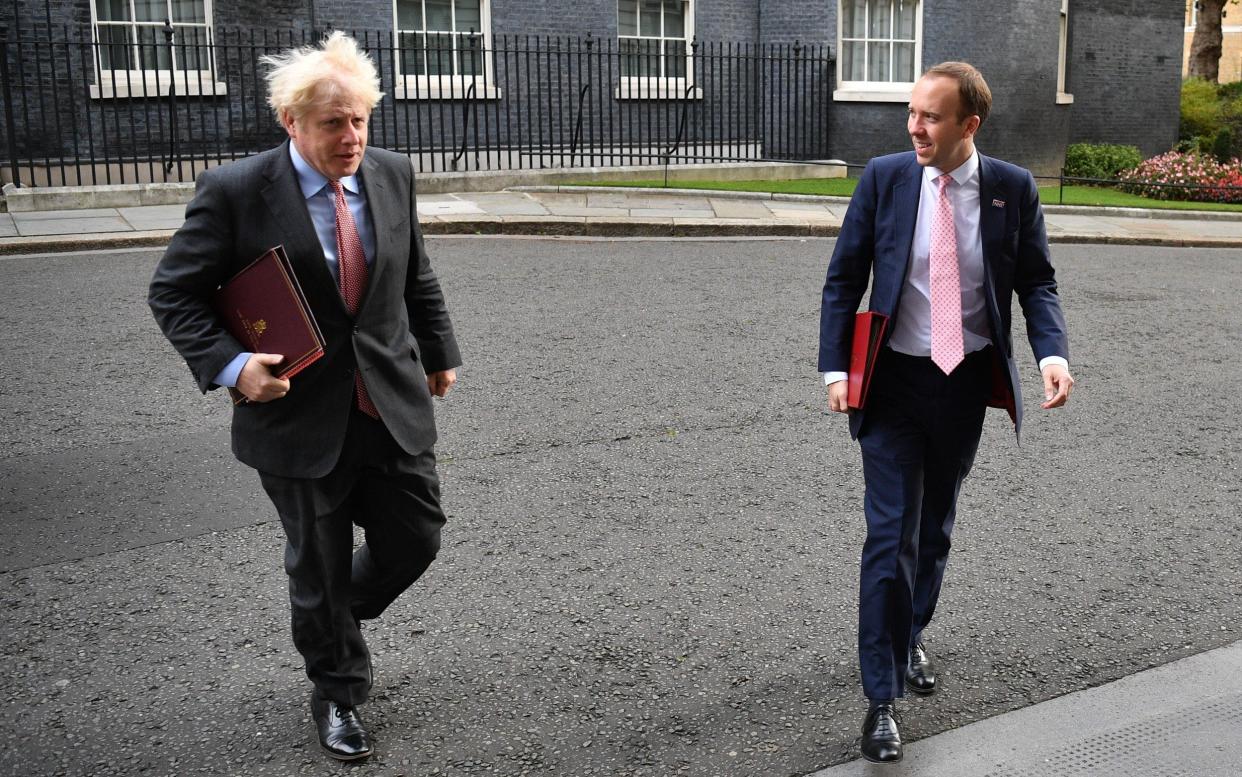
[[947, 236]]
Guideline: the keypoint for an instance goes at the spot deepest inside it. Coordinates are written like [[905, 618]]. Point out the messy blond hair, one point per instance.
[[336, 70]]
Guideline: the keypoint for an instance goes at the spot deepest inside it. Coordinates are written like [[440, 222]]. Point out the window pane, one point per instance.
[[853, 59], [468, 16], [469, 55], [112, 10], [439, 54], [639, 57], [114, 47], [627, 17], [150, 11], [881, 19], [439, 15], [629, 62], [903, 62], [649, 18], [409, 15], [877, 62], [413, 55], [675, 59], [675, 19], [189, 11], [905, 18], [191, 49], [153, 52], [854, 21]]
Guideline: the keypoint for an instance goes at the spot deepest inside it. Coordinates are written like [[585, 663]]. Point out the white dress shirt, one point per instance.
[[912, 327]]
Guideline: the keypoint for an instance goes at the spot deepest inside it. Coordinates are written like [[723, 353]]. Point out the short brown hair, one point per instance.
[[973, 91]]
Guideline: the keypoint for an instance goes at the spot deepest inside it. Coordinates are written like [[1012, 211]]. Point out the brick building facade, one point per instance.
[[1061, 71]]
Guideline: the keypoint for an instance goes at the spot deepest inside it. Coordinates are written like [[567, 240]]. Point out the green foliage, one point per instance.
[[1230, 91], [1102, 160], [1223, 144], [1201, 112]]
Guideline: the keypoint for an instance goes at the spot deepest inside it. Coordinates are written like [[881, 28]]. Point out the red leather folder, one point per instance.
[[264, 308], [868, 334]]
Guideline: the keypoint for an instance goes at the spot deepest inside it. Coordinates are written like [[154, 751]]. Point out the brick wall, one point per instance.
[[1123, 55], [1124, 72]]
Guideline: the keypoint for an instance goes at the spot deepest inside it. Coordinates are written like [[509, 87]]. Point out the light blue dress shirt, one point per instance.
[[321, 204]]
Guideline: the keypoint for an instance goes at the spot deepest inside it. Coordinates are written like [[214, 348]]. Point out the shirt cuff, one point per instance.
[[1044, 362], [835, 377], [228, 376]]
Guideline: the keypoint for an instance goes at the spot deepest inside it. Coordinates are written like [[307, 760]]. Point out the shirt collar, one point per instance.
[[962, 174], [311, 181]]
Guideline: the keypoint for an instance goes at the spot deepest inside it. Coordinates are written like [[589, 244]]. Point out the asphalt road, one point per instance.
[[654, 525]]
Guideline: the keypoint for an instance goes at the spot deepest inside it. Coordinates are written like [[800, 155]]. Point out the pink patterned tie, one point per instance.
[[946, 288], [352, 264]]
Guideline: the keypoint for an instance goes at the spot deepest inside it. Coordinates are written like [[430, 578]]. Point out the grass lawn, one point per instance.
[[1094, 195], [844, 187]]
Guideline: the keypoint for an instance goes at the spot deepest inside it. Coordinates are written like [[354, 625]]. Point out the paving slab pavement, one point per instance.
[[544, 210], [1183, 719]]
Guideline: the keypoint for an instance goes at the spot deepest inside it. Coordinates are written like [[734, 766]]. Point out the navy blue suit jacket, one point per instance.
[[875, 242]]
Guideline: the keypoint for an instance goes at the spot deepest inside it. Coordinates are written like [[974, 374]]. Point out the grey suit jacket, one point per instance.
[[400, 333]]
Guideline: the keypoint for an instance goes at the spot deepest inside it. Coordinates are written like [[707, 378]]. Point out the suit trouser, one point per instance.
[[918, 443], [395, 497]]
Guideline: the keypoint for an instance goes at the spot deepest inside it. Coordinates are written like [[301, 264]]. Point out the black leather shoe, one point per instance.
[[920, 674], [881, 741], [340, 730]]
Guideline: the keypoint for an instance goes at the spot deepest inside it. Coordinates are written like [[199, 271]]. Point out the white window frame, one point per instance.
[[660, 87], [877, 91], [152, 82], [448, 87], [1063, 97]]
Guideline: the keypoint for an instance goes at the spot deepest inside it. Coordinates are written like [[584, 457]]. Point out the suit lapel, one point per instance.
[[284, 198], [906, 193], [378, 191], [993, 202]]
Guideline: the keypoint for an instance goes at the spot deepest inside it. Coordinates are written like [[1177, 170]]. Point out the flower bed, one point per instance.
[[1182, 176]]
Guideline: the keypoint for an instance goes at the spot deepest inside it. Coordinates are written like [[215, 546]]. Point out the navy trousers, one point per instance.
[[918, 443], [395, 497]]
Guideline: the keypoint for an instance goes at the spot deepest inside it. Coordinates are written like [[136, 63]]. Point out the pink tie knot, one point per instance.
[[943, 182]]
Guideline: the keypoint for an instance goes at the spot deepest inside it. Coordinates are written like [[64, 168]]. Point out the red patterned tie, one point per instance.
[[352, 264], [946, 289]]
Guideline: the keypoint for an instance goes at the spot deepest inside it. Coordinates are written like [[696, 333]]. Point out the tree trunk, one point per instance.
[[1205, 46]]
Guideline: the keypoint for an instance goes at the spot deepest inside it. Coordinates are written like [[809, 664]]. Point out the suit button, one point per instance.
[[356, 330]]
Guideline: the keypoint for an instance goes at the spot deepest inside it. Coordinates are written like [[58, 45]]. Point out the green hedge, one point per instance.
[[1211, 119], [1103, 160], [1202, 109]]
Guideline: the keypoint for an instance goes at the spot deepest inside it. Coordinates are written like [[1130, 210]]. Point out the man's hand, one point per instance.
[[838, 393], [439, 383], [1057, 386], [256, 381]]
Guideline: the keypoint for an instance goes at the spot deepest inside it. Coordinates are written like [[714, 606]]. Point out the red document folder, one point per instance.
[[264, 308], [868, 334]]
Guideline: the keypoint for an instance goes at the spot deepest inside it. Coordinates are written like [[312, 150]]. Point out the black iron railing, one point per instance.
[[78, 111]]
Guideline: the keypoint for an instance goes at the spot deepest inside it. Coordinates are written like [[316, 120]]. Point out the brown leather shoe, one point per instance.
[[341, 732]]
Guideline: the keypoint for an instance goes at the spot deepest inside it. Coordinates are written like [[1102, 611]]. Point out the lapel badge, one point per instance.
[[998, 203]]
